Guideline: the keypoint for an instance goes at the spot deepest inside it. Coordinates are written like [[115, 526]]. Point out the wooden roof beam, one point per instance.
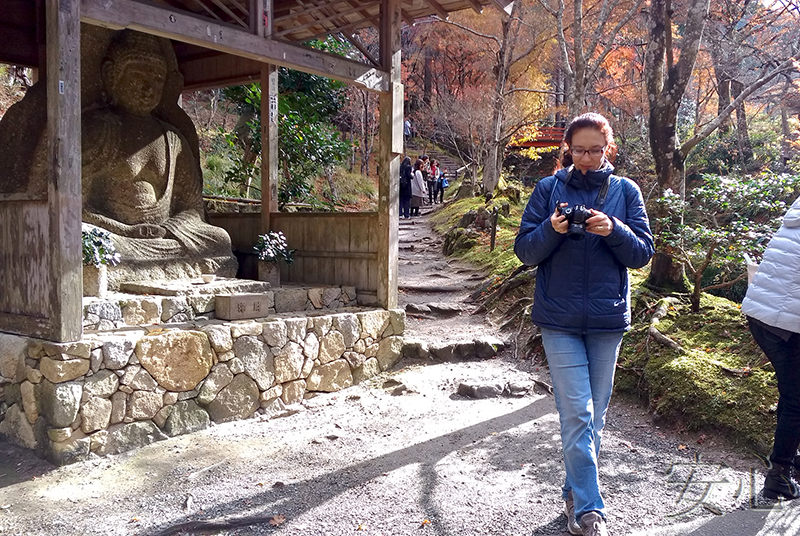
[[504, 5], [353, 39], [208, 9], [311, 9], [316, 22], [187, 28], [230, 13], [438, 8], [476, 6]]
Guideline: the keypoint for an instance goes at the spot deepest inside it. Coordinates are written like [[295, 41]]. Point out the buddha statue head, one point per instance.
[[134, 72]]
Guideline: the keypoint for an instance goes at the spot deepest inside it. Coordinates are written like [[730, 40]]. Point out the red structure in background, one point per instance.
[[546, 137]]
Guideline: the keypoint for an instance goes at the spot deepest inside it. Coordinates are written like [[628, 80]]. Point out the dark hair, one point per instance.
[[589, 120], [418, 164]]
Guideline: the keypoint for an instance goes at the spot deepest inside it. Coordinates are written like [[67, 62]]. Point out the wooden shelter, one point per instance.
[[218, 43]]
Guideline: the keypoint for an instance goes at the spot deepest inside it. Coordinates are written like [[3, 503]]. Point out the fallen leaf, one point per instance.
[[277, 520], [681, 447], [134, 520], [425, 522], [361, 527], [701, 439]]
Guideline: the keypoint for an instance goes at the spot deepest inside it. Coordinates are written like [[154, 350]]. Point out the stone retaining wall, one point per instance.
[[114, 391]]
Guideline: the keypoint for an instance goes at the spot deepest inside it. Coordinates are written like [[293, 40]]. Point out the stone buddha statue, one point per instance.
[[141, 180]]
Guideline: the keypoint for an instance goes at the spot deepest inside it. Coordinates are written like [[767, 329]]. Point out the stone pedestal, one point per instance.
[[95, 280], [270, 272]]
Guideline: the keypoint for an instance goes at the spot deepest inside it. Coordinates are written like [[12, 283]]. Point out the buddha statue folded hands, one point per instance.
[[140, 178]]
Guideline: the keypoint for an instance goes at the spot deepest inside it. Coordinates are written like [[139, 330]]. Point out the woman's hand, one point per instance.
[[558, 221], [599, 223]]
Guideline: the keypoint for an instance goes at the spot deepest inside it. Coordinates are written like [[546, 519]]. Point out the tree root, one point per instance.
[[518, 277], [662, 339]]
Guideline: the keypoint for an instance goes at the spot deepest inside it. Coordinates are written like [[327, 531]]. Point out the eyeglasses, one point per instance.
[[595, 151]]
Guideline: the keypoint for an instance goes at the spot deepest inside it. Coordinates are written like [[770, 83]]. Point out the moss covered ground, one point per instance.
[[720, 380]]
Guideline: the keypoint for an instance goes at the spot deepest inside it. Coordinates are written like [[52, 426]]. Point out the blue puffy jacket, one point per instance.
[[582, 285]]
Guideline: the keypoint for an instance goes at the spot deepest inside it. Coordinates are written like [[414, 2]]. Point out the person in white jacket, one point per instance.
[[418, 189], [772, 306]]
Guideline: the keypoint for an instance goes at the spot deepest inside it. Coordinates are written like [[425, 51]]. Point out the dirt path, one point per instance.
[[386, 459]]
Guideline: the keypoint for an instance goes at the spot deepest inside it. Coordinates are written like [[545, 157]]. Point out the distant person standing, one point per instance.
[[441, 184], [406, 177], [772, 306], [407, 130], [418, 189]]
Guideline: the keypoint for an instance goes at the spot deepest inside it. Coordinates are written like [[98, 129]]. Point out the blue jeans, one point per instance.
[[582, 370]]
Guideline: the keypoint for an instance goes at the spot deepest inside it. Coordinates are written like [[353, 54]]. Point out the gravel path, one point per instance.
[[400, 454]]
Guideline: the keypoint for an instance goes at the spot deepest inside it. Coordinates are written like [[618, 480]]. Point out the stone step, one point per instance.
[[122, 310]]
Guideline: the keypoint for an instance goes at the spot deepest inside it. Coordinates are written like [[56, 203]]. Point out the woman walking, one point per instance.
[[581, 300], [772, 306], [418, 190]]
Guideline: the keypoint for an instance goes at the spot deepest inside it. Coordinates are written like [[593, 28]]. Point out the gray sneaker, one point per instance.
[[572, 524], [593, 524]]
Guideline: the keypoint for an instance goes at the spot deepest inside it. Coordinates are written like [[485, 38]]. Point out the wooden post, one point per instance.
[[64, 173], [391, 149], [269, 121]]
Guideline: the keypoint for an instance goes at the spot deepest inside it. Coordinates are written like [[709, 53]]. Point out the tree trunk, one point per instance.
[[742, 133]]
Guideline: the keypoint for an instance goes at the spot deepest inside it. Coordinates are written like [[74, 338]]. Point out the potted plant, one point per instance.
[[271, 248], [98, 253]]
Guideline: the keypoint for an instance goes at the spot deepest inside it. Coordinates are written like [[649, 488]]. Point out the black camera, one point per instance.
[[576, 218]]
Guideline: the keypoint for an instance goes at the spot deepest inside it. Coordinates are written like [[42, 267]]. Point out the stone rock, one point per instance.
[[117, 352], [236, 366], [124, 437], [60, 402], [273, 408], [125, 389], [219, 378], [129, 373], [311, 346], [144, 405], [390, 350], [442, 351], [238, 400], [331, 347], [388, 332], [30, 402], [143, 381], [160, 418], [202, 304], [308, 365], [480, 390], [96, 359], [322, 325], [360, 346], [106, 310], [16, 426], [329, 295], [75, 449], [119, 407], [330, 377], [315, 297], [274, 334], [242, 329], [348, 325], [177, 360], [186, 417], [80, 349], [33, 375], [296, 329], [98, 440], [225, 356], [372, 350], [170, 398], [288, 363], [257, 360], [271, 394], [219, 337], [355, 359], [293, 392], [59, 435], [415, 349], [95, 414], [141, 312], [373, 323], [370, 368], [397, 319], [186, 395], [63, 371], [290, 299], [487, 346], [176, 309]]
